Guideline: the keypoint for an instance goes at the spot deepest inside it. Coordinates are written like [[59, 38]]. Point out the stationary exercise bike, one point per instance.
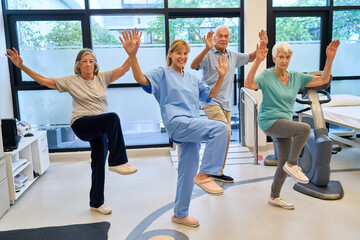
[[315, 157]]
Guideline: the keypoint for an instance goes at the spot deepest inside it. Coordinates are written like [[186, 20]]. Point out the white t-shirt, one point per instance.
[[89, 96]]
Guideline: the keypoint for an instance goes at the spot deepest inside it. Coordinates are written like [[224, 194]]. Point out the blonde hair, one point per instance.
[[80, 55], [175, 46], [220, 28], [281, 47]]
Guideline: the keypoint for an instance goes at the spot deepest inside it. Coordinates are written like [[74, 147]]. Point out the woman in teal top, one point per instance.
[[279, 88]]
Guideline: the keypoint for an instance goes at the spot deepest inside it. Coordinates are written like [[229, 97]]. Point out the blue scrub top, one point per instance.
[[178, 96]]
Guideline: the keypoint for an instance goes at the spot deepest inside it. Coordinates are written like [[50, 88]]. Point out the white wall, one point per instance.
[[6, 106], [255, 20]]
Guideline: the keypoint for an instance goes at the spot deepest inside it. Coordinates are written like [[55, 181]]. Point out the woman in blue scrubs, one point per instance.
[[178, 94]]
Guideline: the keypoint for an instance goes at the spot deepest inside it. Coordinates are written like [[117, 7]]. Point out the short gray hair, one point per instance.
[[80, 55], [220, 28], [281, 47]]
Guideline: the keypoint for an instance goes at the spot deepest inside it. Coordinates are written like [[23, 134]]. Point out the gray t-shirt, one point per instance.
[[210, 75], [89, 96]]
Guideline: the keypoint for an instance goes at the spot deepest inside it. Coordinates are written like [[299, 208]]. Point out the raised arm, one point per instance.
[[120, 71], [262, 37], [325, 76], [15, 58], [131, 43], [261, 52], [209, 41], [222, 70]]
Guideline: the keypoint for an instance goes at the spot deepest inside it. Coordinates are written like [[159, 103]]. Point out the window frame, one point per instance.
[[327, 28], [325, 12]]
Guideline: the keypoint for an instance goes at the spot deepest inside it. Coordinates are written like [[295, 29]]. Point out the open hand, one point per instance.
[[332, 48], [131, 41], [209, 39], [263, 36], [261, 51], [14, 56], [223, 65]]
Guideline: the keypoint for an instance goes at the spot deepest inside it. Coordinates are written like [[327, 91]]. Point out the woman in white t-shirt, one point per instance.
[[90, 119]]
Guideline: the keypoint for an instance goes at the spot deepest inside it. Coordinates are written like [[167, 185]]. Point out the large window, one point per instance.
[[111, 4], [309, 26], [298, 3], [203, 4], [105, 32], [346, 2], [193, 30], [303, 34], [48, 35], [346, 27], [48, 4], [42, 42]]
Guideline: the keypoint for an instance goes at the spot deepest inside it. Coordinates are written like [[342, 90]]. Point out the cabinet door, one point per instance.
[[4, 190], [2, 170], [4, 199], [1, 143], [41, 160]]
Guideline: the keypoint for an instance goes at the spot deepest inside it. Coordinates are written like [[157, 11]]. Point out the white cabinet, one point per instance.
[[40, 153], [4, 190], [26, 163]]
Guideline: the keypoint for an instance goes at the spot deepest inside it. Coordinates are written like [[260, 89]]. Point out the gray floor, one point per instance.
[[142, 203]]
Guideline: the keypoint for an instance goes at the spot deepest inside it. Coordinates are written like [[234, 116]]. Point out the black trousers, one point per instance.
[[104, 133]]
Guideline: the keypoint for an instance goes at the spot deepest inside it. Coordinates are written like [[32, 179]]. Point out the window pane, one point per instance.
[[140, 116], [193, 30], [45, 107], [203, 4], [109, 51], [346, 3], [109, 4], [48, 4], [351, 87], [303, 35], [49, 47], [48, 110], [346, 27], [138, 111], [298, 3]]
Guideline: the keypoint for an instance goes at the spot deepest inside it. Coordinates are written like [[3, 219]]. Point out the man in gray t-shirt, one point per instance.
[[219, 108]]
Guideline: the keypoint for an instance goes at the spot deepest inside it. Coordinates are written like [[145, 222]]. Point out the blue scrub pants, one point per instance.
[[190, 132], [104, 133]]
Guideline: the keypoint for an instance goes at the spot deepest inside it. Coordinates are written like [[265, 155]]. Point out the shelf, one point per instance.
[[19, 169], [23, 189], [15, 165], [34, 150]]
